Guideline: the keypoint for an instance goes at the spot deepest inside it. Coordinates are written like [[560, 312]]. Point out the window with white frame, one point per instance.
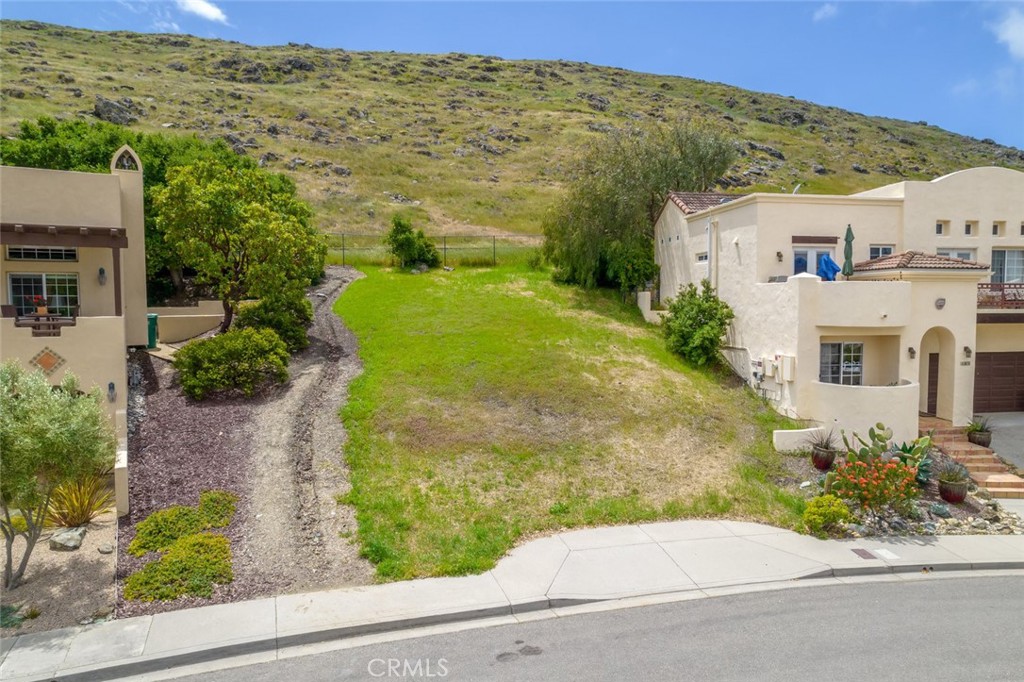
[[47, 253], [963, 254], [806, 258], [1008, 265], [59, 289], [879, 250], [842, 363], [702, 257]]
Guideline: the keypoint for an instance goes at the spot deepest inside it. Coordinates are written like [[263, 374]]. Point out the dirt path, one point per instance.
[[295, 526], [281, 452]]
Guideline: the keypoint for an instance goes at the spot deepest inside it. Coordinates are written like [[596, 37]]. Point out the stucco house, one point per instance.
[[931, 322], [77, 240]]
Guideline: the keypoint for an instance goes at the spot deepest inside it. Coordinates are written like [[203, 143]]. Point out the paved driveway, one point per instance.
[[1008, 435]]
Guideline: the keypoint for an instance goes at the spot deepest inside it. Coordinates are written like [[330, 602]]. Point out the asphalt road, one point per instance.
[[948, 629]]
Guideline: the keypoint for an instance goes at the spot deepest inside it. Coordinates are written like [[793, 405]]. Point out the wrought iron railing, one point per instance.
[[1001, 295]]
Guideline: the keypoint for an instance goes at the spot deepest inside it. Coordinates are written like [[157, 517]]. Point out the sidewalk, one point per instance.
[[570, 568]]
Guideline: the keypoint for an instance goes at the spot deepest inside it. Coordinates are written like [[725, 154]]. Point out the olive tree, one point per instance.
[[242, 230], [48, 436], [602, 231]]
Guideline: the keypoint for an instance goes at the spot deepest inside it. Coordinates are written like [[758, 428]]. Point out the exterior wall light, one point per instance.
[[778, 256], [103, 276], [912, 353], [967, 351], [940, 303], [111, 392]]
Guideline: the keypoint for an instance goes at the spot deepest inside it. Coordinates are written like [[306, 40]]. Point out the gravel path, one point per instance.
[[280, 452]]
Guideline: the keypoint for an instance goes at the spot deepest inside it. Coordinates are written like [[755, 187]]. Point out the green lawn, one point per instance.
[[495, 404]]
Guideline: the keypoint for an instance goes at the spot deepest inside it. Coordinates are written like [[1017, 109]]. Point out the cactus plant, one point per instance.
[[917, 454], [868, 452]]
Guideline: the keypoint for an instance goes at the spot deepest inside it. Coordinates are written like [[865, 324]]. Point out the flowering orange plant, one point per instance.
[[877, 484]]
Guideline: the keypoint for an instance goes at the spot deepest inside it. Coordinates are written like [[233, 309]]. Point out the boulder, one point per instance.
[[112, 112], [67, 539]]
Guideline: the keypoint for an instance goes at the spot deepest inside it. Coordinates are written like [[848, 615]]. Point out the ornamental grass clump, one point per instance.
[[876, 485]]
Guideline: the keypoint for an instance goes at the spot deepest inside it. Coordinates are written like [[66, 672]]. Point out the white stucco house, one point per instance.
[[931, 322]]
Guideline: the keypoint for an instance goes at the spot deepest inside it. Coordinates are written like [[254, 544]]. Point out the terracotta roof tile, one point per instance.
[[692, 202], [916, 260]]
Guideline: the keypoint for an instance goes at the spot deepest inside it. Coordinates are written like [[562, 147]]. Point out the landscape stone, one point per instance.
[[67, 540], [106, 548], [112, 112]]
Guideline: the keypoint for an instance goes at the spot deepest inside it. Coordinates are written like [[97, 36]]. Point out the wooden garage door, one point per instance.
[[999, 382]]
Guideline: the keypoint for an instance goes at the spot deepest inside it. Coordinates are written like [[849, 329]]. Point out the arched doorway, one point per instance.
[[936, 373]]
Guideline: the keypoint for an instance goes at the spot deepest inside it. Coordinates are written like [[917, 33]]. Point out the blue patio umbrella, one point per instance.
[[827, 268], [848, 253]]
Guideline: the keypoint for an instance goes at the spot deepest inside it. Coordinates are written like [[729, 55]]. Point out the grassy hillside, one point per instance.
[[464, 438], [464, 142]]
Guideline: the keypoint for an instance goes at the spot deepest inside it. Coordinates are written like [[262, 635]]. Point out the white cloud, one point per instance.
[[1011, 32], [203, 8], [826, 11], [965, 87]]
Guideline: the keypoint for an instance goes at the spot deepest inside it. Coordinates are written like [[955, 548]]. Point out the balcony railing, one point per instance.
[[1001, 295]]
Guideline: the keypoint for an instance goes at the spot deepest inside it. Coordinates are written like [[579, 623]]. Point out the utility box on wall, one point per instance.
[[787, 367]]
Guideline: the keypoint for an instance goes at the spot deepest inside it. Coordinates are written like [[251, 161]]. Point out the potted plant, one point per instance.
[[40, 303], [823, 449], [953, 480], [979, 431]]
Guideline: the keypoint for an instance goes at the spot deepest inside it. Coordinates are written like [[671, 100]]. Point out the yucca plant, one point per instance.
[[76, 503]]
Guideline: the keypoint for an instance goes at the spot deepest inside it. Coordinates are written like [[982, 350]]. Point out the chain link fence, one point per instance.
[[455, 250]]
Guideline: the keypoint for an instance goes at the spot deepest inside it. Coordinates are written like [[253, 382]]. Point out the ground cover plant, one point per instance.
[[495, 403], [192, 560]]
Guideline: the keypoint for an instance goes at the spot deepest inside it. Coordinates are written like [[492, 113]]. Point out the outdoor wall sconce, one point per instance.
[[940, 303], [967, 351], [778, 256], [111, 393], [103, 276], [912, 352]]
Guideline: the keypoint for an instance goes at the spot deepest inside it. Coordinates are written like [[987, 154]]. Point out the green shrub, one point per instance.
[[696, 323], [163, 528], [191, 566], [288, 316], [409, 246], [76, 503], [824, 514], [239, 359], [217, 507]]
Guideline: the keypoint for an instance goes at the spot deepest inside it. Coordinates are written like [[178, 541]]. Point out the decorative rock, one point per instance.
[[940, 510], [106, 548], [928, 527], [67, 540], [980, 524]]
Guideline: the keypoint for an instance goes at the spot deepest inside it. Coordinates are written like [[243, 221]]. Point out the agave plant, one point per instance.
[[917, 454]]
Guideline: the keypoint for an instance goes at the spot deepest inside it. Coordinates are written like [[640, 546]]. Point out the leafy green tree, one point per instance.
[[410, 246], [696, 323], [604, 223], [88, 146], [242, 230], [48, 437]]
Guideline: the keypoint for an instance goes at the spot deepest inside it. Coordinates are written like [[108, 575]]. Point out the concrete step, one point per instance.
[[979, 468], [943, 433], [1006, 494]]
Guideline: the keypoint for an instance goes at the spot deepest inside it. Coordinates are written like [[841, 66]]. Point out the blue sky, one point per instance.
[[956, 65]]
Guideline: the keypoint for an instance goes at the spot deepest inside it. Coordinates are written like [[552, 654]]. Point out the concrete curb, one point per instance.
[[551, 574]]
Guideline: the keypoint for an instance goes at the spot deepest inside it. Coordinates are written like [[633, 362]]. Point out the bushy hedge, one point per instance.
[[410, 246], [287, 316], [240, 359], [696, 323]]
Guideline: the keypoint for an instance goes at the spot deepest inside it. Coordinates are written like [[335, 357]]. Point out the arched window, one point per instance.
[[126, 162]]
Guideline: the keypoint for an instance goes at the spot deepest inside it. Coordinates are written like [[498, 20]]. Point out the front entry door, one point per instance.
[[933, 382]]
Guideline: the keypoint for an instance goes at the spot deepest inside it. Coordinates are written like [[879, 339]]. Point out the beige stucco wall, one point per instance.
[[133, 258], [44, 197], [95, 299], [185, 322], [93, 349], [1000, 338], [985, 195]]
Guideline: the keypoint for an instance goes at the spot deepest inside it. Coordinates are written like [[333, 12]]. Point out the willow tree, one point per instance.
[[602, 231], [243, 230], [48, 437]]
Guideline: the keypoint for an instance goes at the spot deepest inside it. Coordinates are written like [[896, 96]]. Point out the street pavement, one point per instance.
[[1008, 436], [954, 629], [689, 559]]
